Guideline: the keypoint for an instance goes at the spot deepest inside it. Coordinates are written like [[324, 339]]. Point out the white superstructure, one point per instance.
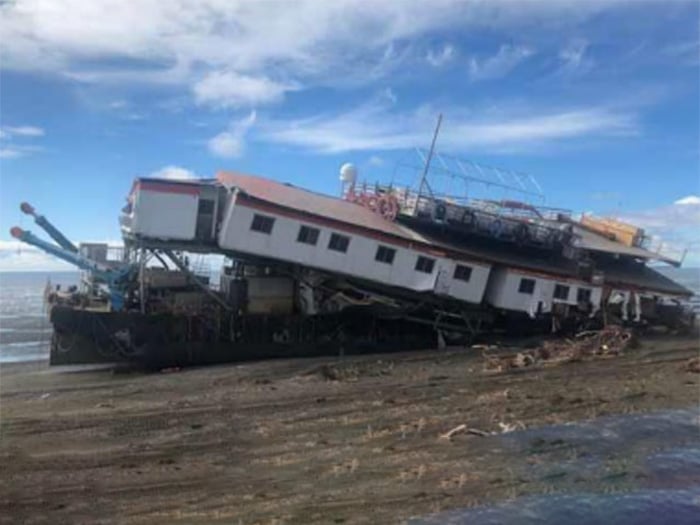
[[249, 217]]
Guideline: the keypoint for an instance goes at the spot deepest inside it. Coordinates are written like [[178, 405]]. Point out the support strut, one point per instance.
[[177, 262]]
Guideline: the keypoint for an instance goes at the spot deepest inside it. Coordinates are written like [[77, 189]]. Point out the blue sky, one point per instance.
[[597, 100]]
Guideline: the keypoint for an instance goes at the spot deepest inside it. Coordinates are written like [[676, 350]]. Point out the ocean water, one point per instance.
[[25, 331], [688, 277], [637, 469]]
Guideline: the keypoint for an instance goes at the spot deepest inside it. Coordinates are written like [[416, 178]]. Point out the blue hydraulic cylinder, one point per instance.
[[49, 228], [62, 253], [115, 279]]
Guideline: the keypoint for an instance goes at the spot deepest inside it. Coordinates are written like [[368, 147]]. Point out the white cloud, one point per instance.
[[573, 57], [16, 151], [376, 126], [690, 200], [174, 75], [13, 141], [684, 212], [574, 52], [684, 53], [22, 131], [118, 104], [241, 54], [675, 225], [230, 143], [182, 42], [442, 57], [10, 153], [174, 173], [376, 161], [500, 64], [232, 90]]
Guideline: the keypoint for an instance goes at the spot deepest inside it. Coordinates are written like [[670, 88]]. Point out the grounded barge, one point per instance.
[[380, 268]]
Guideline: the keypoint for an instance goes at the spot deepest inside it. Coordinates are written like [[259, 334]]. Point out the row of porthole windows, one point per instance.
[[561, 291], [340, 243]]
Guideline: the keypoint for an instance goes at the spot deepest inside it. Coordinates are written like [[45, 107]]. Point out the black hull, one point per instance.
[[166, 340]]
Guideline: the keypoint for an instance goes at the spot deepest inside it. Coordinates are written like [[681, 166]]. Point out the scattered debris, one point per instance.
[[353, 371], [498, 396], [484, 347], [477, 432], [692, 365], [608, 342], [455, 430], [170, 370], [505, 428], [510, 427]]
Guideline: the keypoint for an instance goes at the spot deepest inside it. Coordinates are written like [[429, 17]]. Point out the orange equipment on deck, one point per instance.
[[622, 232]]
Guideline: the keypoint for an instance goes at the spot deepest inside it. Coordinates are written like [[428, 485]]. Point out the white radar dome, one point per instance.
[[348, 173]]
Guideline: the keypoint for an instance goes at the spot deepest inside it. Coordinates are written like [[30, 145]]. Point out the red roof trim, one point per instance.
[[251, 202], [167, 187]]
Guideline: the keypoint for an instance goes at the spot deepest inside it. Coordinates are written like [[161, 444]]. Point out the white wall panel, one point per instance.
[[164, 215], [358, 261], [502, 292]]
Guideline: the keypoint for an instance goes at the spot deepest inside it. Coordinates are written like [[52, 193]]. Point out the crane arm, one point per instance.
[[62, 253], [49, 228], [116, 279]]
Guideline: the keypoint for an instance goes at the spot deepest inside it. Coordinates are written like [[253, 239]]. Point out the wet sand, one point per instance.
[[351, 440]]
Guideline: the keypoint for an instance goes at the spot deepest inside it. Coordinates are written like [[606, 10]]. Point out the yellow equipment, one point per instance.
[[627, 234]]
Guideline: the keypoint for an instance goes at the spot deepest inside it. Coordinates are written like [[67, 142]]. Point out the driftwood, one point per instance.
[[610, 341], [477, 432], [455, 430], [464, 428]]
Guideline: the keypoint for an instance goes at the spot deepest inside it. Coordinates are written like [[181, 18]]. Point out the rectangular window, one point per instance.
[[462, 273], [425, 264], [583, 295], [308, 235], [527, 286], [385, 254], [262, 223], [561, 292], [338, 243]]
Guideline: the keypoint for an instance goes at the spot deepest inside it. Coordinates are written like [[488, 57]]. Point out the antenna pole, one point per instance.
[[423, 180]]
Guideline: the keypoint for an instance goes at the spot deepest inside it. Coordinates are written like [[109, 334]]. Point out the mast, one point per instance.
[[423, 181]]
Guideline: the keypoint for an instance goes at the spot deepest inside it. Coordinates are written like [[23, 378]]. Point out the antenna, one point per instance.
[[423, 181]]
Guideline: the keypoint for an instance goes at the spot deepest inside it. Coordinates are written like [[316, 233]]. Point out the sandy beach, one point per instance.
[[351, 440]]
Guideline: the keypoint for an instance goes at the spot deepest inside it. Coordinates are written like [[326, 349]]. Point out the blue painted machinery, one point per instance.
[[117, 278]]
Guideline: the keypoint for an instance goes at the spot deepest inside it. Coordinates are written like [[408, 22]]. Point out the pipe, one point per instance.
[[49, 228], [57, 251], [112, 277]]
